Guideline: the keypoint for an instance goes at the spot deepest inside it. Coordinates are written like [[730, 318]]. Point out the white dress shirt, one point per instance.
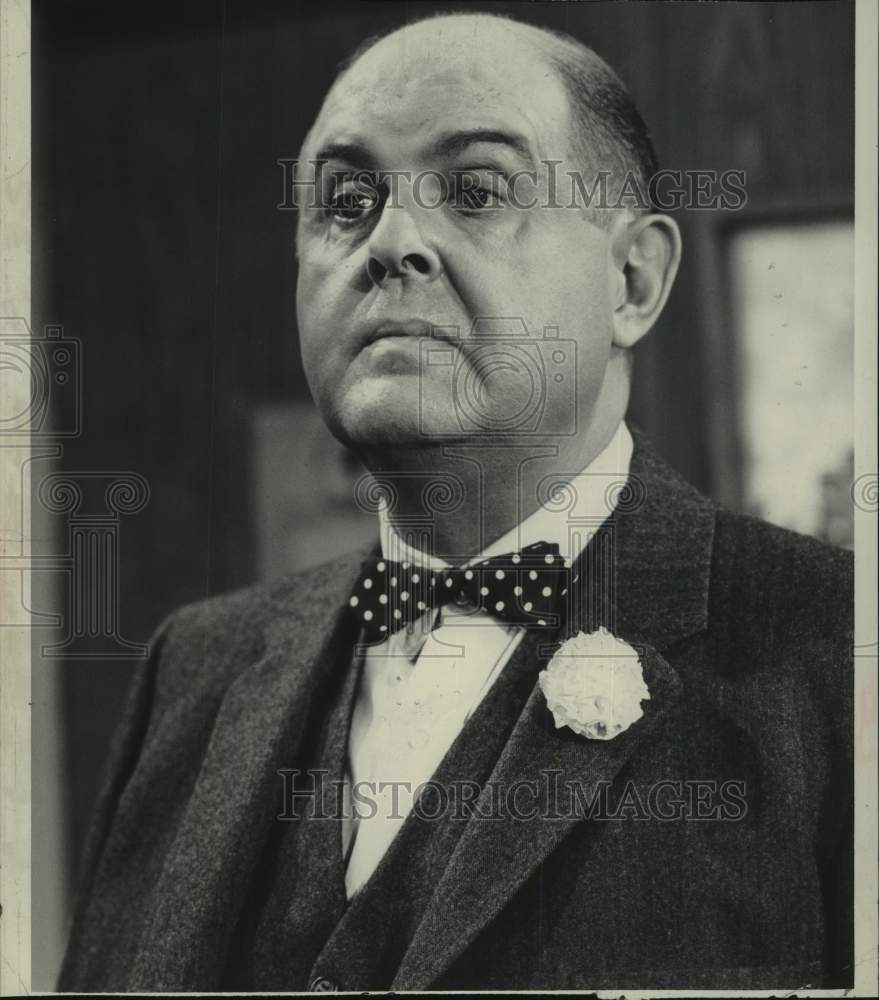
[[417, 689]]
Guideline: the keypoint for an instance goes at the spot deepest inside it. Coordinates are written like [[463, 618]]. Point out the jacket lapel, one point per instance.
[[647, 581], [259, 728]]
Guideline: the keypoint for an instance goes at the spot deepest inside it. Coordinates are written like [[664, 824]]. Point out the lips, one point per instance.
[[418, 328]]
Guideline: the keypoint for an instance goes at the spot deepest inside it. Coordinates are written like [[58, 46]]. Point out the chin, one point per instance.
[[390, 412], [366, 423]]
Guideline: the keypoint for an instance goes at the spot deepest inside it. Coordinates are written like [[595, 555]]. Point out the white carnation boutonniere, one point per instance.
[[594, 685]]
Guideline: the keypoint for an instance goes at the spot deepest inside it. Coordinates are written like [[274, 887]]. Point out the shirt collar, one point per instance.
[[575, 508]]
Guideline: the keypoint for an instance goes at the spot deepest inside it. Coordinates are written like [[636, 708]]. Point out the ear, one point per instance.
[[645, 252]]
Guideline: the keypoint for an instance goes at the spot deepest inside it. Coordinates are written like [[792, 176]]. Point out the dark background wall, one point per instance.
[[157, 242]]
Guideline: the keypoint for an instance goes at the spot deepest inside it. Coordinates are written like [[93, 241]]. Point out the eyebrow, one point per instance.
[[355, 153], [457, 142], [358, 153]]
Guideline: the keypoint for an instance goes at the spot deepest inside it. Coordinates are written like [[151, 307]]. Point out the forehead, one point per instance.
[[442, 76]]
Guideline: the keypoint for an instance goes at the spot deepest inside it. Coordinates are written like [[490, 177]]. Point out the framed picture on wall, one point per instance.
[[304, 491], [778, 287]]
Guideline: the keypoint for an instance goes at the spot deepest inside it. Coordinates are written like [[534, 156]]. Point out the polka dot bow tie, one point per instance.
[[525, 588]]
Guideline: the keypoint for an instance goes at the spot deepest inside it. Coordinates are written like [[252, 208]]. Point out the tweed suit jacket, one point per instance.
[[745, 632]]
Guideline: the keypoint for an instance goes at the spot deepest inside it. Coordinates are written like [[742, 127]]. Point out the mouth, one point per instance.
[[419, 329]]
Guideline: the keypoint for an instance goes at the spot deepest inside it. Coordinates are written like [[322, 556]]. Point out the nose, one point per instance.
[[397, 249]]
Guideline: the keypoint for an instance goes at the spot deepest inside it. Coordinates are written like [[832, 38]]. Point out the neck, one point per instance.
[[452, 501]]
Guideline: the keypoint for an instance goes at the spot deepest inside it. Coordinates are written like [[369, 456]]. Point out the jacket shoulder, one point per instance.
[[253, 607], [781, 620], [217, 636], [790, 577]]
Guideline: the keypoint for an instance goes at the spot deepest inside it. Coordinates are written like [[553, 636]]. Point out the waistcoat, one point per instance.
[[298, 931]]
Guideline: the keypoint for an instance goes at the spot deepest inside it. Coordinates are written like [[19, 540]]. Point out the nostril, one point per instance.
[[412, 265], [376, 270], [418, 262]]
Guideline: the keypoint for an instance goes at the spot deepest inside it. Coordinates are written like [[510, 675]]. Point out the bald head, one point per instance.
[[603, 129]]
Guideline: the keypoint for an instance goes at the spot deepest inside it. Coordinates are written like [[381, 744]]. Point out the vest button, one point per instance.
[[323, 985]]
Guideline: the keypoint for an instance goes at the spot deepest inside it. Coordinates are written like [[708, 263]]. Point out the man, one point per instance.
[[346, 781]]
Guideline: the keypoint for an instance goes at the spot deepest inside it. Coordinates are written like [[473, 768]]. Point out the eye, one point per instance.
[[475, 199], [352, 204], [476, 191]]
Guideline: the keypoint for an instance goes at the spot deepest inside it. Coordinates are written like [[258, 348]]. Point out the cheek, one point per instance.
[[577, 271], [570, 292], [315, 284], [320, 313], [308, 308], [577, 287], [551, 270]]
